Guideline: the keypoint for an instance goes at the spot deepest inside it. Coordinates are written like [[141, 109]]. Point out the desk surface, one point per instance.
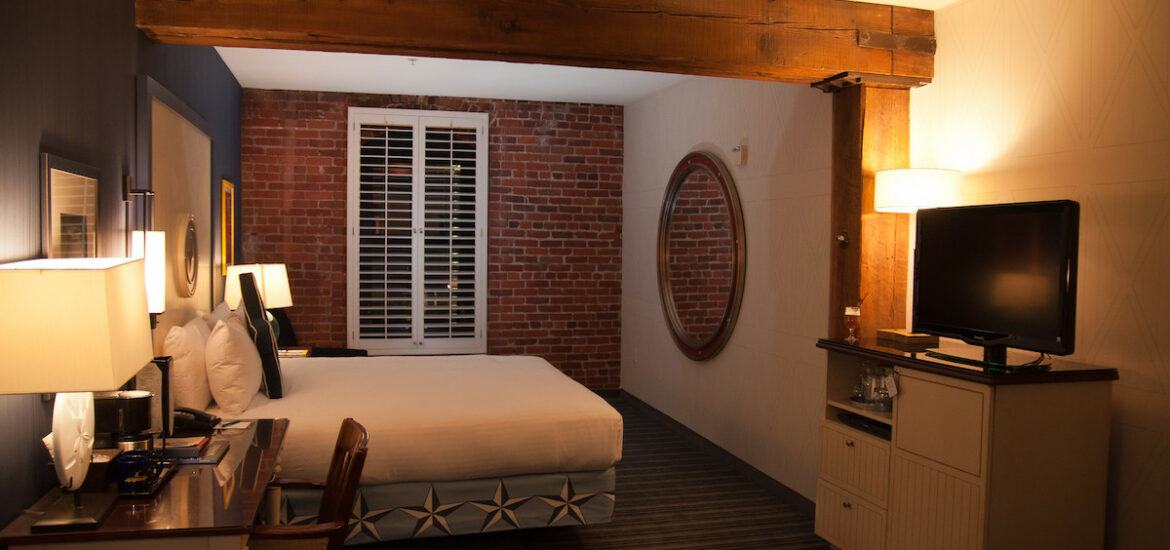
[[200, 500]]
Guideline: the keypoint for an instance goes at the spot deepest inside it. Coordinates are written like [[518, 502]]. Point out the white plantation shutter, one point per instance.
[[416, 277]]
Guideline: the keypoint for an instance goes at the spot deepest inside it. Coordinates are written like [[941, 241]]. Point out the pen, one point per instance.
[[232, 423]]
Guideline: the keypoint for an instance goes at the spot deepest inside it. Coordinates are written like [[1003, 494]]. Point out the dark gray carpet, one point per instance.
[[671, 494]]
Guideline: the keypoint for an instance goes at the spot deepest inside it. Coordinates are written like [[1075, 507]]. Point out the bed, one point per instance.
[[458, 444]]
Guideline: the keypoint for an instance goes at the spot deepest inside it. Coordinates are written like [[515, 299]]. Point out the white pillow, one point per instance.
[[233, 366], [186, 346], [220, 313]]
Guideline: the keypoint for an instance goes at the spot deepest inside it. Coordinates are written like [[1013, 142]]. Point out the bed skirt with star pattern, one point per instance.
[[427, 509]]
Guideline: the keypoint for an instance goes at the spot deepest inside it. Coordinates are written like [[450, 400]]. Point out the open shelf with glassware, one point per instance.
[[846, 390]]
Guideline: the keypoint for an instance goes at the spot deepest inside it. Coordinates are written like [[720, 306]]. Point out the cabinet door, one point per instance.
[[943, 420], [856, 462], [848, 522], [933, 509]]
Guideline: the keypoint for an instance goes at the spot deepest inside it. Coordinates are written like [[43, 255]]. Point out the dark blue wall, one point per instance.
[[67, 86], [201, 79]]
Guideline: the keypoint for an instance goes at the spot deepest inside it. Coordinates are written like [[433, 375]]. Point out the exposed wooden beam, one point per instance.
[[785, 40]]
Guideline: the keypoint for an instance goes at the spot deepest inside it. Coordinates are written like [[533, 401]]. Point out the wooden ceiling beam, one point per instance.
[[799, 41]]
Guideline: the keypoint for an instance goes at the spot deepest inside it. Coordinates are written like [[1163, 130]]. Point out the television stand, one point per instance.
[[995, 355], [977, 459]]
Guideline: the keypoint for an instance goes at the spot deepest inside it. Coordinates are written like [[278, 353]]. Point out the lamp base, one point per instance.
[[76, 511]]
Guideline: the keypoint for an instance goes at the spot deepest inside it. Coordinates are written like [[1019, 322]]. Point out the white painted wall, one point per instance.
[[1055, 99], [762, 398]]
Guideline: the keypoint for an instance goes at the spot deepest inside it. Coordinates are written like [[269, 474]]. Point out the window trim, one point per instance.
[[418, 343]]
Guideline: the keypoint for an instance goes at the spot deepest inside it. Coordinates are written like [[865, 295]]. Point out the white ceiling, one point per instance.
[[391, 74]]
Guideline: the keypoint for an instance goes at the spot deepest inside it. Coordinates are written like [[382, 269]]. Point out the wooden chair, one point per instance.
[[345, 471]]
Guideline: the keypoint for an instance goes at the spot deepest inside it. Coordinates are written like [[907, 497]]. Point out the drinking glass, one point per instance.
[[852, 319]]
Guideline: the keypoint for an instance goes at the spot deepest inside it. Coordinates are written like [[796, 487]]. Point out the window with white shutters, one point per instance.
[[417, 210]]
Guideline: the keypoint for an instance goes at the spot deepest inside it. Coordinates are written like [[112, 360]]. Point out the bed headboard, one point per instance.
[[180, 176]]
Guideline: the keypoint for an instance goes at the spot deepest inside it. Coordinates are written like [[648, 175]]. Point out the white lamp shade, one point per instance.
[[909, 189], [72, 324], [151, 246], [271, 281]]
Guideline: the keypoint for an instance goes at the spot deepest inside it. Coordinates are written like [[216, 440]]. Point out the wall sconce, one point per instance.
[[907, 190], [152, 248]]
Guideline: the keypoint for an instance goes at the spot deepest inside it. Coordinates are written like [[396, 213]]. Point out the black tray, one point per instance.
[[165, 472]]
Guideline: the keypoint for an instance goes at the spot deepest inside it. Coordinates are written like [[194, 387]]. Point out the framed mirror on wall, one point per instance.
[[69, 208], [702, 255]]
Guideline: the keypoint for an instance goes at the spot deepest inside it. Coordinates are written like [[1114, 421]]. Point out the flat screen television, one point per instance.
[[999, 276]]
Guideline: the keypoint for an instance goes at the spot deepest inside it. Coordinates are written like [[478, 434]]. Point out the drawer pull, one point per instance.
[[846, 505], [848, 442]]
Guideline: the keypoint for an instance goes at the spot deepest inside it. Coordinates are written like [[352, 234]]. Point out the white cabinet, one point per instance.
[[976, 460]]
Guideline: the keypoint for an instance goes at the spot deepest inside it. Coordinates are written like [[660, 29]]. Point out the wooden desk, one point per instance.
[[203, 506]]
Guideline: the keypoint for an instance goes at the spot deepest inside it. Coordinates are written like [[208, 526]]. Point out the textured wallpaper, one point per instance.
[[1054, 99]]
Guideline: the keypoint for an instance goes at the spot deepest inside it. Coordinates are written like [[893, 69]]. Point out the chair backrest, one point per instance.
[[345, 471]]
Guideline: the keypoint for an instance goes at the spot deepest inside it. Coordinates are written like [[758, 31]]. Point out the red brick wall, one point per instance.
[[554, 223]]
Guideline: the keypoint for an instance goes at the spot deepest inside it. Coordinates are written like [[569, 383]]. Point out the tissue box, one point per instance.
[[904, 340], [101, 471]]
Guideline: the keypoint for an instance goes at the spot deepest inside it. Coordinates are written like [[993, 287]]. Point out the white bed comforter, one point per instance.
[[441, 418]]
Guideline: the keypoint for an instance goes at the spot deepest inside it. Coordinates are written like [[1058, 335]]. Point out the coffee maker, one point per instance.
[[122, 420]]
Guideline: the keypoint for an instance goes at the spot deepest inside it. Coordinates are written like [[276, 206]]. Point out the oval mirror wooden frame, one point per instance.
[[702, 347]]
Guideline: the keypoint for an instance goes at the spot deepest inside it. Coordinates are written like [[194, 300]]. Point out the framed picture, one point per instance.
[[227, 230], [69, 208]]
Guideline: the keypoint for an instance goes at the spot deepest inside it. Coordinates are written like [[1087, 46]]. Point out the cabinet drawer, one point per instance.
[[855, 462], [848, 522], [941, 421]]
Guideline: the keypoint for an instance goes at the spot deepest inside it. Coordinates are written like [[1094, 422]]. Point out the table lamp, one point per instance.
[[72, 326], [271, 281], [906, 191]]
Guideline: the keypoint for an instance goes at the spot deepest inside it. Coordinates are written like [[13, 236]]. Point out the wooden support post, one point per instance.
[[871, 131]]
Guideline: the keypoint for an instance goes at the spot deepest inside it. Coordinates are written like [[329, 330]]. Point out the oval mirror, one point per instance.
[[701, 255]]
